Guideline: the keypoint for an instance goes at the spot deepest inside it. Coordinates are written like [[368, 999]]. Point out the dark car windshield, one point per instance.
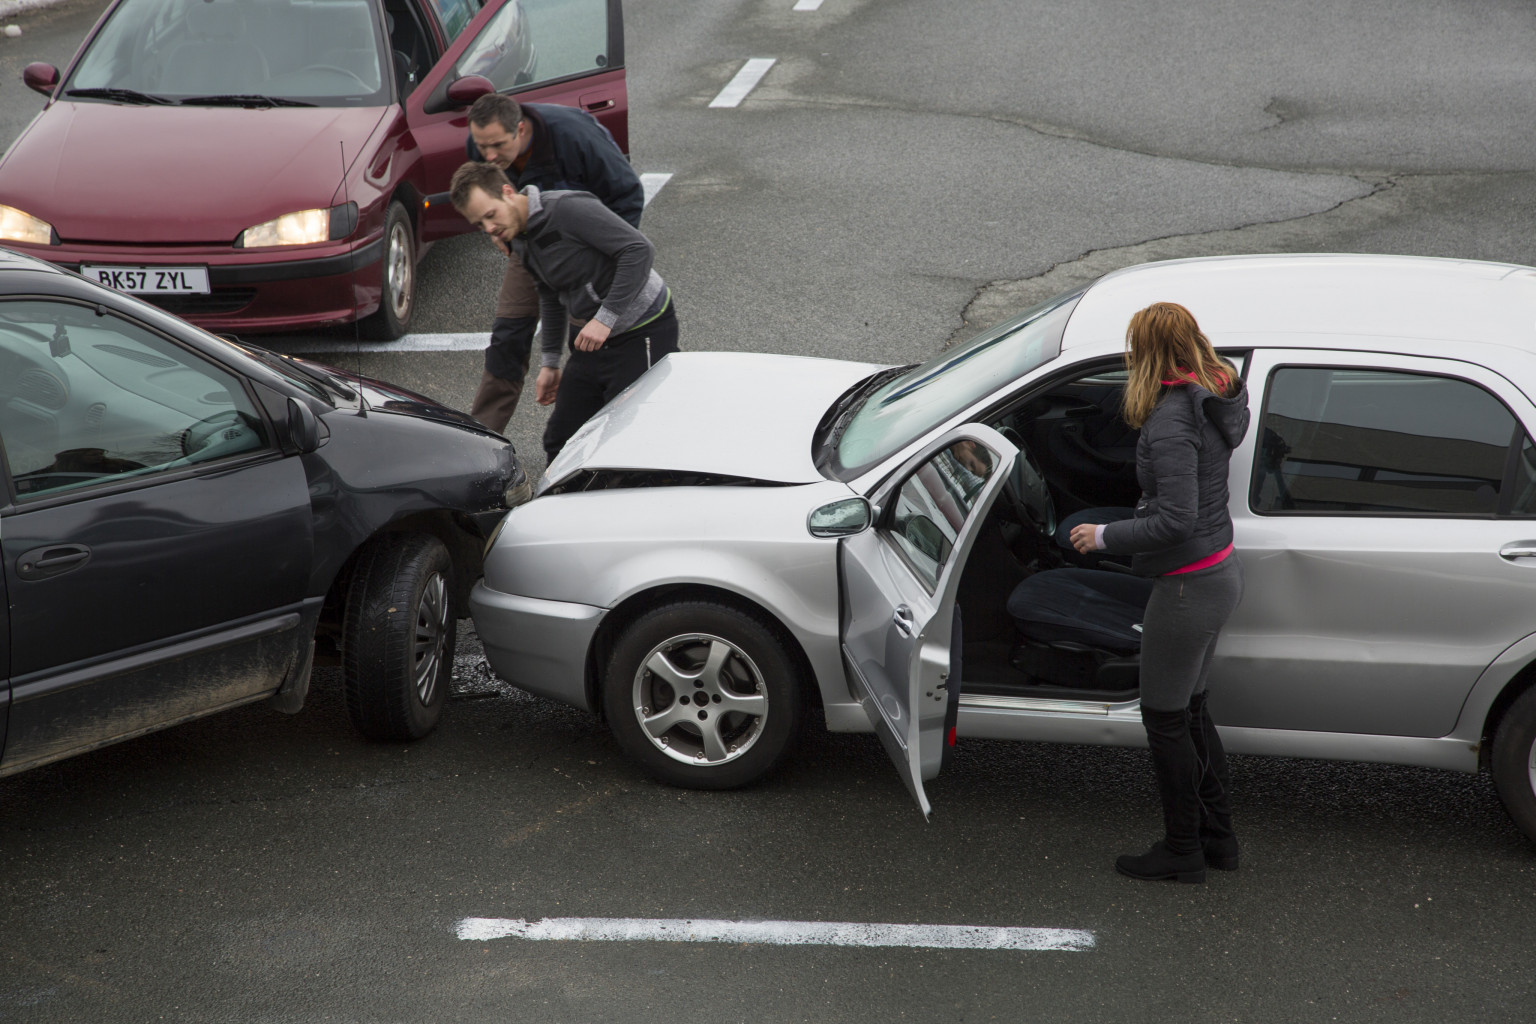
[[228, 52], [903, 409]]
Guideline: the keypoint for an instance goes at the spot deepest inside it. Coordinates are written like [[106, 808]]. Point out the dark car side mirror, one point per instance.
[[462, 92], [303, 426], [40, 77]]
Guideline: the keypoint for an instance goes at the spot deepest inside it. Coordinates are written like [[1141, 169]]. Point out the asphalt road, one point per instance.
[[907, 171]]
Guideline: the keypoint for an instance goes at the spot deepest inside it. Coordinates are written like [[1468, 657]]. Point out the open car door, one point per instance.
[[899, 582]]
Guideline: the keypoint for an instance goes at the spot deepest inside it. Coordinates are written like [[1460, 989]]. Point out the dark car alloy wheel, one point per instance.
[[702, 695], [398, 633], [399, 271]]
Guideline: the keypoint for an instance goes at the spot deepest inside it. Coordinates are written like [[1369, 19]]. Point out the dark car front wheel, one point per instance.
[[399, 272], [702, 695], [398, 636], [1514, 761]]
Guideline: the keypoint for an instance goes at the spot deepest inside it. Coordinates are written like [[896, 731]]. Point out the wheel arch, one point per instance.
[[1512, 691], [635, 605], [465, 548]]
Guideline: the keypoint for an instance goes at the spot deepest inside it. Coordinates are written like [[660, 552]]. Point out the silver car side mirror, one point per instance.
[[840, 518]]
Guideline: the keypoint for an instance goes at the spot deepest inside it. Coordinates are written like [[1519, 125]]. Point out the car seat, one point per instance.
[[1080, 628]]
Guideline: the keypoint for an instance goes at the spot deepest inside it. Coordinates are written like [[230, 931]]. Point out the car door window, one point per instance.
[[88, 398], [531, 42], [932, 506], [1338, 440], [454, 15]]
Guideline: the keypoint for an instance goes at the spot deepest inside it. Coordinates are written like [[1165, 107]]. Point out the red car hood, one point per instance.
[[102, 172]]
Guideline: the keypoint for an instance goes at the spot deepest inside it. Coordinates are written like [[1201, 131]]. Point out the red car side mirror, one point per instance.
[[462, 92], [40, 77]]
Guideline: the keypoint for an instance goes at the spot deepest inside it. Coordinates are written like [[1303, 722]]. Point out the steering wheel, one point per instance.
[[340, 71], [1026, 488], [210, 433]]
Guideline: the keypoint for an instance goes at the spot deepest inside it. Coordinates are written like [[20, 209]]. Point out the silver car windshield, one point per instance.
[[904, 409], [227, 52]]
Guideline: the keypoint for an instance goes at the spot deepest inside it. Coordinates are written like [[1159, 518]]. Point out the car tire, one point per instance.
[[1514, 761], [398, 636], [740, 705], [393, 317]]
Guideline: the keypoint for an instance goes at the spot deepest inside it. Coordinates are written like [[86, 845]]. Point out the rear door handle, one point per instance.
[[1518, 549], [51, 560], [903, 620]]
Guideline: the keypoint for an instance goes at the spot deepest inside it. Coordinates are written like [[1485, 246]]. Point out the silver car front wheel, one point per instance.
[[702, 695]]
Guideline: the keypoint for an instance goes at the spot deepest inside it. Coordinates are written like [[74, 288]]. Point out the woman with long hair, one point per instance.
[[1192, 409]]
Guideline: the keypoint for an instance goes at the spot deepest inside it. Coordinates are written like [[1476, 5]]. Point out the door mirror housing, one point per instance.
[[841, 518], [463, 92], [303, 427], [40, 77]]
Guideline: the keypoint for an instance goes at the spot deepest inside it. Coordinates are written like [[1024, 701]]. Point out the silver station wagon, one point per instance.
[[739, 537]]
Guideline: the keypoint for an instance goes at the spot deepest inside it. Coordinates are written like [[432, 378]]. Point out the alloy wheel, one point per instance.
[[431, 637], [399, 269], [700, 699]]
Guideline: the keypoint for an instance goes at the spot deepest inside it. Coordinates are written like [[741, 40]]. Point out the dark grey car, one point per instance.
[[188, 525]]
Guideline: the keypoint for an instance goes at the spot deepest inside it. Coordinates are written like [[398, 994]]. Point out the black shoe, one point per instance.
[[1161, 864], [1221, 854]]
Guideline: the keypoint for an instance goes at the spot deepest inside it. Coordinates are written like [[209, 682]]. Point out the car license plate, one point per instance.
[[151, 280]]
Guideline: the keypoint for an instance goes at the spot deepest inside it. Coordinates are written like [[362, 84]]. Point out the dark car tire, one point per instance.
[[393, 317], [398, 636], [1514, 761], [755, 671]]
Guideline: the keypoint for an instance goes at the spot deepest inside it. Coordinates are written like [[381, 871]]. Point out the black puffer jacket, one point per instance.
[[1181, 465]]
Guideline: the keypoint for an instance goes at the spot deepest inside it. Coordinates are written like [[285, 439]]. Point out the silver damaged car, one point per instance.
[[739, 537]]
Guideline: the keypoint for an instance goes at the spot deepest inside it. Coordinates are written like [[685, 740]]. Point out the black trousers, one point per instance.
[[590, 380]]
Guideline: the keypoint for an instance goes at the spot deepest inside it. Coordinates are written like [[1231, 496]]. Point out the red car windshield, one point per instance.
[[285, 52]]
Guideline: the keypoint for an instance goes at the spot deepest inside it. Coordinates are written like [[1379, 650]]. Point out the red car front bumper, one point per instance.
[[250, 292]]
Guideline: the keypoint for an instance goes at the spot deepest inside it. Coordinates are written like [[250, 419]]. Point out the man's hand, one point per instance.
[[547, 386], [506, 250], [592, 336]]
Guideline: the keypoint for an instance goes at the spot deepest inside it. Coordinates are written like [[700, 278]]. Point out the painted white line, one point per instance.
[[409, 343], [774, 933], [652, 184], [807, 5], [745, 81]]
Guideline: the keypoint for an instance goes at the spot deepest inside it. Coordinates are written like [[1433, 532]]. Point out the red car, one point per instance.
[[278, 165]]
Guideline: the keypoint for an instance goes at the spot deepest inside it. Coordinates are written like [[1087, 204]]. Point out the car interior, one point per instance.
[[85, 398], [1039, 619]]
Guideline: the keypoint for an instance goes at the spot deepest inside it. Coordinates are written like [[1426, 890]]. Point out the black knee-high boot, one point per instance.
[[1177, 855], [1217, 838]]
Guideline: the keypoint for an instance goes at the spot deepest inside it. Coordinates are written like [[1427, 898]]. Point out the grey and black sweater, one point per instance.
[[588, 264], [1181, 465]]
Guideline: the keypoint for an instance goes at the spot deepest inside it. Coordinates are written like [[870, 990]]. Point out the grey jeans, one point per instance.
[[1178, 632]]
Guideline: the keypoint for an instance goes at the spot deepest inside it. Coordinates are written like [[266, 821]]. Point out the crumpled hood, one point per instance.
[[107, 172], [728, 413], [1228, 415]]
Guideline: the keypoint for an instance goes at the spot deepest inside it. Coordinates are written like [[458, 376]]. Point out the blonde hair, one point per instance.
[[1164, 343]]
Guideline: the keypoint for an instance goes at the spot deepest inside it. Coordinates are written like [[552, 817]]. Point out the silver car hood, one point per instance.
[[730, 413]]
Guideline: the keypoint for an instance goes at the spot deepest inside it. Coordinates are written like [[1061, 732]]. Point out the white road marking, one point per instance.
[[652, 184], [807, 5], [745, 81], [774, 933]]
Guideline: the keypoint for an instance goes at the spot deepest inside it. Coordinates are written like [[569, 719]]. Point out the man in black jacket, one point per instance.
[[552, 148]]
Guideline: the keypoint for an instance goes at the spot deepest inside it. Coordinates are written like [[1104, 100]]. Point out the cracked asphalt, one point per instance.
[[907, 172]]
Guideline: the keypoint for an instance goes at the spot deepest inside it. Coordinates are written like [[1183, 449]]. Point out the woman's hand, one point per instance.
[[1084, 538]]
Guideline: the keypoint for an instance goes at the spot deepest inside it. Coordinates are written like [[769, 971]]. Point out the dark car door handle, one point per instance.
[[52, 560]]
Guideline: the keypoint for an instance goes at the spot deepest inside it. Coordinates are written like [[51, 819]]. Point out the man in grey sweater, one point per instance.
[[596, 286]]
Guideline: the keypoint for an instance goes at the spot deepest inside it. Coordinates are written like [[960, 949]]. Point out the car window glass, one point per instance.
[[455, 14], [324, 52], [529, 42], [933, 504], [86, 399], [1342, 440], [904, 409]]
